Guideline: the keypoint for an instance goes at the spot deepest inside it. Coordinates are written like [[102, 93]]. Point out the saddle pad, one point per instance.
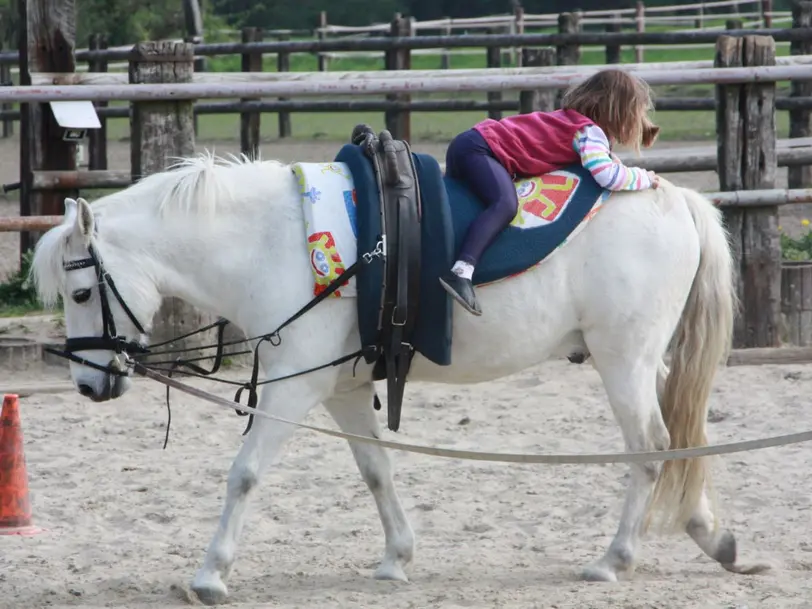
[[552, 209], [328, 201]]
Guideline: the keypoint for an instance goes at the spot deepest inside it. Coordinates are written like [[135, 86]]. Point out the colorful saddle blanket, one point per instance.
[[342, 213]]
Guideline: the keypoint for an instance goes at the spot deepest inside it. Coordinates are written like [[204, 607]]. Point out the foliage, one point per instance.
[[130, 21], [796, 248], [137, 20], [277, 14], [9, 24], [17, 292]]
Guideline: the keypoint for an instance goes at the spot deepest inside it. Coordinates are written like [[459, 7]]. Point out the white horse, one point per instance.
[[652, 269]]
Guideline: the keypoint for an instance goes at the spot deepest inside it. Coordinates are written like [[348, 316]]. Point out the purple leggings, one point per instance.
[[470, 160]]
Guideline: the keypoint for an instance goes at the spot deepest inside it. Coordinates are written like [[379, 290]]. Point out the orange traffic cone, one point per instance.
[[15, 505]]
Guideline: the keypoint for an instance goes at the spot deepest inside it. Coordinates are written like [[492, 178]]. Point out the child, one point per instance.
[[610, 106]]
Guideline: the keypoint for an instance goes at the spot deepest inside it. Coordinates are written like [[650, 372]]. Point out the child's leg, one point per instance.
[[470, 160], [491, 182]]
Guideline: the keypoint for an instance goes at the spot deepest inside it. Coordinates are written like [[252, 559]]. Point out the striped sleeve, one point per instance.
[[592, 146]]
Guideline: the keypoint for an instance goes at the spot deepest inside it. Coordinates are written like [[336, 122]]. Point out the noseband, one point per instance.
[[109, 340]]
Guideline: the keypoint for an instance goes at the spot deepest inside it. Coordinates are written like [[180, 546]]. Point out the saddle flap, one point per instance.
[[400, 216]]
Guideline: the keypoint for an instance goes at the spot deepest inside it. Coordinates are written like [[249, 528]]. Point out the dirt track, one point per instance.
[[127, 523]]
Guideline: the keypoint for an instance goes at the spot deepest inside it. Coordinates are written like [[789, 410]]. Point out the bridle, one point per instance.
[[109, 340]]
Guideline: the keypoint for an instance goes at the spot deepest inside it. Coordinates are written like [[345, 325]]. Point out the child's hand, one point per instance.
[[655, 179]]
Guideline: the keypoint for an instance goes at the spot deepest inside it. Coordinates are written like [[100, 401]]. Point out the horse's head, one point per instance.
[[102, 326]]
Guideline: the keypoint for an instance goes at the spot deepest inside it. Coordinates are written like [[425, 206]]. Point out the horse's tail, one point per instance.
[[700, 343]]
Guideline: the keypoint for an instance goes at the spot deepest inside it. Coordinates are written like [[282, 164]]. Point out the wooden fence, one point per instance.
[[398, 107], [746, 157], [401, 43], [162, 87]]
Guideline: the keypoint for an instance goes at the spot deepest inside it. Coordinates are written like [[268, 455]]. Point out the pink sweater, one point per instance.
[[540, 142]]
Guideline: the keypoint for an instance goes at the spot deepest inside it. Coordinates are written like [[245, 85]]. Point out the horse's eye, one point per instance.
[[80, 296]]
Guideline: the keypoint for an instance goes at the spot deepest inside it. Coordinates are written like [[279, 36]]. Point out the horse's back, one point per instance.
[[633, 263]]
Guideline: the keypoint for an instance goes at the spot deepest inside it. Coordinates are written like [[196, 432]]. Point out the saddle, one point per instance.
[[401, 213]]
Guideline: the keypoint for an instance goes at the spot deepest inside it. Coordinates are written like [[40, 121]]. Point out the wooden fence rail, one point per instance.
[[723, 199], [481, 83], [464, 40], [664, 162]]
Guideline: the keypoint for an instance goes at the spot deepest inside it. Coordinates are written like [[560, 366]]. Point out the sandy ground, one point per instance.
[[127, 523]]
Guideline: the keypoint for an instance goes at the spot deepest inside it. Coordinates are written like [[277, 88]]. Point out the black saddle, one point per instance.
[[400, 209]]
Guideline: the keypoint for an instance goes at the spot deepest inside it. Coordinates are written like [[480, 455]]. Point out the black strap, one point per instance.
[[251, 386]]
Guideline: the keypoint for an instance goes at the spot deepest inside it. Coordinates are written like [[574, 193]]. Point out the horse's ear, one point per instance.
[[83, 220], [70, 211]]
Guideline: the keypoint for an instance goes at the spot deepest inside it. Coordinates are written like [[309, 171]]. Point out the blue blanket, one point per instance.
[[551, 208]]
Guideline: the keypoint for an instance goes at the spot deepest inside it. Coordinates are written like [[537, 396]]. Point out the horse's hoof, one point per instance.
[[727, 555], [598, 573], [391, 572], [212, 591], [748, 569]]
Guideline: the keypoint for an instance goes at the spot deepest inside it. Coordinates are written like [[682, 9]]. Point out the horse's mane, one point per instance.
[[195, 185]]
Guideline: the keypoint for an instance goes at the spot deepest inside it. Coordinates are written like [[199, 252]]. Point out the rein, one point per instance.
[[133, 350], [494, 457]]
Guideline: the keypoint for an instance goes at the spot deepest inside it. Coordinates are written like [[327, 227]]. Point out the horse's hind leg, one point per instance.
[[354, 414], [719, 544], [629, 377], [292, 401]]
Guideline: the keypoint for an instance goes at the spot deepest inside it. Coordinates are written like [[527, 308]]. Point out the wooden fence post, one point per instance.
[[518, 27], [97, 138], [283, 65], [747, 161], [249, 121], [568, 54], [800, 176], [47, 44], [5, 77], [398, 122], [163, 130], [445, 54], [537, 100], [493, 59], [613, 50], [796, 302], [640, 25], [322, 59], [766, 13]]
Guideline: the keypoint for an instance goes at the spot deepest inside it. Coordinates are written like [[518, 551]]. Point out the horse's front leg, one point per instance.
[[354, 414], [290, 400]]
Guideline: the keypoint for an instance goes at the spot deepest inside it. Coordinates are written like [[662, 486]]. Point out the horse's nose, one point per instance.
[[86, 390]]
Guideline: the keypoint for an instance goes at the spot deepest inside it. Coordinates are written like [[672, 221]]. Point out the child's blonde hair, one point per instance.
[[619, 103]]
